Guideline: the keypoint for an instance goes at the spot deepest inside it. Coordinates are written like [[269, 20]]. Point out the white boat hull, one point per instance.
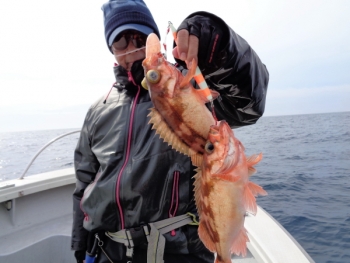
[[36, 221]]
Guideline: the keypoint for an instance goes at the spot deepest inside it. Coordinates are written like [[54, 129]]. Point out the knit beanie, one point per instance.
[[120, 15]]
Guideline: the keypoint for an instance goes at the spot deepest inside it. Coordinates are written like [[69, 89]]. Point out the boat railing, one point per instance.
[[43, 148]]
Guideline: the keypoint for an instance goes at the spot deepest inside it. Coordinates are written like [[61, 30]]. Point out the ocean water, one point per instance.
[[305, 170]]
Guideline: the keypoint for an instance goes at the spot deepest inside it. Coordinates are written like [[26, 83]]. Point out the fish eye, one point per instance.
[[153, 76], [209, 147]]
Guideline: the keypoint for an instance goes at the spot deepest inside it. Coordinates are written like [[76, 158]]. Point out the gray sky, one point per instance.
[[54, 61]]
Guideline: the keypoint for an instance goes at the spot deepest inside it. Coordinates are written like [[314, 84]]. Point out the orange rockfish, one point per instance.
[[224, 194], [180, 115]]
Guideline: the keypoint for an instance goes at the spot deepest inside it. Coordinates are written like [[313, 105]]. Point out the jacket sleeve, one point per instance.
[[239, 76], [86, 167]]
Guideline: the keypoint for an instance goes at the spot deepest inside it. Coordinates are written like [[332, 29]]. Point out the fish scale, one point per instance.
[[223, 193], [179, 108]]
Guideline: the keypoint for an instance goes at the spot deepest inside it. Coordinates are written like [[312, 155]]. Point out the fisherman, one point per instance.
[[133, 200]]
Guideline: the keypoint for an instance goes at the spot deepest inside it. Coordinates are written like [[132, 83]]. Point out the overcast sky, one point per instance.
[[54, 61]]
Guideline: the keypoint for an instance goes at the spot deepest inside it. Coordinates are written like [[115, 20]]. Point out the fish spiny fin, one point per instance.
[[256, 189], [197, 189], [166, 133], [239, 246], [196, 158], [205, 237], [249, 200]]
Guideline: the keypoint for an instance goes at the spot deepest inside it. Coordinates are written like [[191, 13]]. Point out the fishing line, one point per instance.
[[135, 50], [129, 52]]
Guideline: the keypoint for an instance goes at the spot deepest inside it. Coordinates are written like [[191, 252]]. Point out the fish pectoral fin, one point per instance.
[[254, 159], [251, 170], [249, 200], [205, 237], [239, 246], [227, 177], [250, 191], [190, 74], [256, 189]]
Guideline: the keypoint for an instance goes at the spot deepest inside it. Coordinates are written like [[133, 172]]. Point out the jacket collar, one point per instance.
[[122, 77]]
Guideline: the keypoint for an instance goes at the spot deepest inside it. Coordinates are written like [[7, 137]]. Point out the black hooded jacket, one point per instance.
[[127, 176]]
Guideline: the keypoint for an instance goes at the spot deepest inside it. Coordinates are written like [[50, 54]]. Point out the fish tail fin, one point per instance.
[[240, 244]]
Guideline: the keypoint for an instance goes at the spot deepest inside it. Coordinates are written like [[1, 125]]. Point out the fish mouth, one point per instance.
[[152, 45]]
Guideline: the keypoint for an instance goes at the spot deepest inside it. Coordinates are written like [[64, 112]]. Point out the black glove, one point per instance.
[[79, 256], [209, 30]]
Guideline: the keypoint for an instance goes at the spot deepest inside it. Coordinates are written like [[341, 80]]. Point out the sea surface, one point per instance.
[[305, 170]]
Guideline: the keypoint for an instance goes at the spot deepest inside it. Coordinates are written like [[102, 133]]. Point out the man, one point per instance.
[[128, 178]]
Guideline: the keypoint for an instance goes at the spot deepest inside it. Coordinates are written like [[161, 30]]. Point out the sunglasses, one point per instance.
[[121, 43]]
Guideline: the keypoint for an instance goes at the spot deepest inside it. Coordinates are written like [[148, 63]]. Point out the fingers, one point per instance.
[[187, 47], [182, 44]]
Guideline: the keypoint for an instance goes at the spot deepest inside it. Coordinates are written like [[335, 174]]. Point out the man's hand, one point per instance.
[[199, 38], [187, 47]]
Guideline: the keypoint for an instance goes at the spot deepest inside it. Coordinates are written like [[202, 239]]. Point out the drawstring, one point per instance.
[[104, 102], [130, 77]]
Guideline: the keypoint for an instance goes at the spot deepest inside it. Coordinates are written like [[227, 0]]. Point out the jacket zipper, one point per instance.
[[127, 155], [174, 198]]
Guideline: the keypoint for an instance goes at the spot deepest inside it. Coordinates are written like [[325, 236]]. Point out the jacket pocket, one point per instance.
[[86, 193]]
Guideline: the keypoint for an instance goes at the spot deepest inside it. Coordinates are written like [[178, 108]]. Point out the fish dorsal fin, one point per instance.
[[203, 231], [197, 185], [196, 158], [166, 133]]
